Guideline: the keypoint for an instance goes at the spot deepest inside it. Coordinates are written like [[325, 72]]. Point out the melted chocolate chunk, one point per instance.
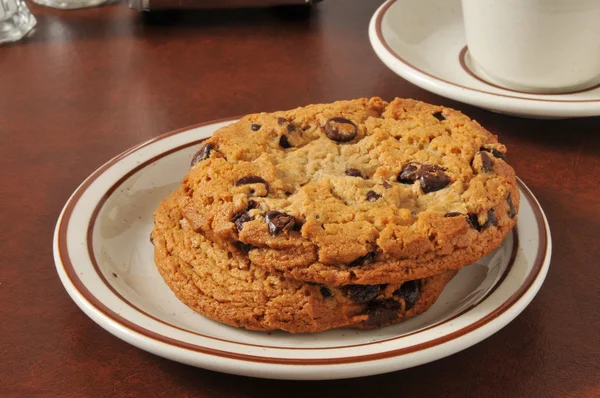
[[491, 220], [279, 222], [409, 292], [255, 127], [284, 143], [290, 128], [433, 178], [430, 168], [409, 173], [325, 292], [252, 204], [511, 207], [252, 180], [486, 162], [362, 293], [298, 225], [366, 259], [496, 153], [353, 173], [453, 214], [340, 129], [386, 185], [439, 116], [240, 218], [202, 154], [244, 247], [473, 221], [372, 196], [382, 312]]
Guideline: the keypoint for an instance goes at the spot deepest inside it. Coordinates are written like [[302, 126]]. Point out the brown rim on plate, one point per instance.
[[125, 323], [378, 29], [462, 59]]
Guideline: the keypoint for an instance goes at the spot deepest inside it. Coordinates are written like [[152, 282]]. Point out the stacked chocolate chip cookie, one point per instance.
[[351, 214]]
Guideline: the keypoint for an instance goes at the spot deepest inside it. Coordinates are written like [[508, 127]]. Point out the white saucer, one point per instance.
[[105, 261], [423, 41]]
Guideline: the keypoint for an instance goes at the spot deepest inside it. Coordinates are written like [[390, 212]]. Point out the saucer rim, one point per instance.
[[526, 106]]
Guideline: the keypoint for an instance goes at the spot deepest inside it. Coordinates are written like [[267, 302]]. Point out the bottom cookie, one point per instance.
[[226, 287]]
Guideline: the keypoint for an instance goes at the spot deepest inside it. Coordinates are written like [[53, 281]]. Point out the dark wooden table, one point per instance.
[[90, 84]]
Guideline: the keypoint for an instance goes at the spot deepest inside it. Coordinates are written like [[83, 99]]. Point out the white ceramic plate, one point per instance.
[[424, 42], [105, 261]]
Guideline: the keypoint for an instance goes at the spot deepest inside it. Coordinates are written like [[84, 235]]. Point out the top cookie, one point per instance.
[[356, 191]]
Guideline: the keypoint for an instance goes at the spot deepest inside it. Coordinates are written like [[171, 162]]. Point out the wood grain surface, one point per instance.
[[88, 84]]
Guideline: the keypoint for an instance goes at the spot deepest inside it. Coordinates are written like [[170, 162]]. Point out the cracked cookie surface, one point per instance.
[[223, 285], [354, 192]]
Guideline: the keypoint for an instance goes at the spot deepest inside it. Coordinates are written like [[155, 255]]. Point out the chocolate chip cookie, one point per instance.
[[354, 192], [225, 286]]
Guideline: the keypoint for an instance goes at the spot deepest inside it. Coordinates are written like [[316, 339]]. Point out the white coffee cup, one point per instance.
[[541, 46]]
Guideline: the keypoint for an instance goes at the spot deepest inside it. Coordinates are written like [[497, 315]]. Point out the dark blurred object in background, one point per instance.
[[148, 5]]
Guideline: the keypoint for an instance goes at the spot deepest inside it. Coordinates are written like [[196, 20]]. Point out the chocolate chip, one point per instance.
[[340, 129], [279, 222], [325, 292], [252, 180], [473, 221], [291, 128], [409, 292], [486, 162], [433, 178], [284, 143], [202, 154], [409, 173], [496, 153], [453, 214], [252, 205], [240, 218], [491, 219], [511, 207], [439, 116], [366, 259], [430, 168], [281, 121], [353, 173], [298, 225], [255, 127], [362, 293], [151, 239], [244, 247], [386, 185], [372, 196], [382, 312]]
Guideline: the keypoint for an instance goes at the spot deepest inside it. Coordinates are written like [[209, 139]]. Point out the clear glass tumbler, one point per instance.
[[15, 20], [70, 4]]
